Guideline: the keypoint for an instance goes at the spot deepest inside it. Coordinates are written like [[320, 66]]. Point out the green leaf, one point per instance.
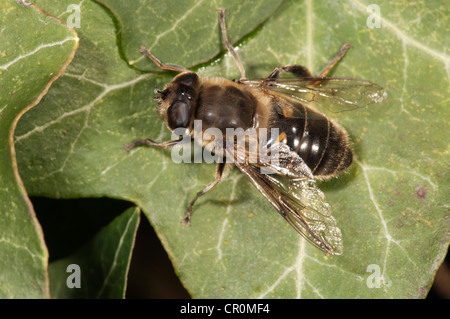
[[35, 48], [390, 206], [191, 27], [102, 263]]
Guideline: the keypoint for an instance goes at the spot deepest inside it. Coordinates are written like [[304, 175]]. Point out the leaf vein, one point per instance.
[[42, 46]]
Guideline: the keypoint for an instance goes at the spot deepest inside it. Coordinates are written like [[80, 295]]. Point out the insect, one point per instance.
[[309, 146]]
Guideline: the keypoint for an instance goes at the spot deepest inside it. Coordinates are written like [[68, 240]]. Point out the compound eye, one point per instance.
[[178, 115]]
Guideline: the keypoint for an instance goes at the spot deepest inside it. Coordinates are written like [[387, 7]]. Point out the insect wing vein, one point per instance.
[[332, 94], [301, 203]]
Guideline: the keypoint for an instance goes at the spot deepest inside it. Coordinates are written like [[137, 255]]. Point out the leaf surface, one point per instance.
[[101, 264], [391, 205], [35, 48]]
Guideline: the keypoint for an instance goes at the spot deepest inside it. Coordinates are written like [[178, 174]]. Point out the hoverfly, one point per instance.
[[310, 146]]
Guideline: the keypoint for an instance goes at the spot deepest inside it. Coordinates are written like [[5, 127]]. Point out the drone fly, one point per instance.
[[308, 147]]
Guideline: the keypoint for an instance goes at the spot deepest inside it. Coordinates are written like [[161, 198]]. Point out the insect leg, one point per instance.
[[171, 67], [227, 44], [220, 168], [345, 47], [150, 142], [297, 70]]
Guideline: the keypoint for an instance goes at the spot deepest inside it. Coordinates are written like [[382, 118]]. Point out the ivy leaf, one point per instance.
[[100, 267], [191, 27], [390, 206], [35, 48]]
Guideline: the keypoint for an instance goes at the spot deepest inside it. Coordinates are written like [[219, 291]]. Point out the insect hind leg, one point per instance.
[[301, 71], [345, 47], [221, 13], [297, 70]]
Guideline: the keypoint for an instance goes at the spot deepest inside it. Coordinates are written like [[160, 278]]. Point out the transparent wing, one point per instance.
[[333, 94], [296, 198]]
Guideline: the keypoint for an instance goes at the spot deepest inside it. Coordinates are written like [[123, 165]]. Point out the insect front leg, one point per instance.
[[163, 66], [230, 49], [221, 172], [150, 142]]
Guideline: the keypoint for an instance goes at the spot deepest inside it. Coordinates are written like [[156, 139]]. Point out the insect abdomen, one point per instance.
[[322, 144], [337, 155]]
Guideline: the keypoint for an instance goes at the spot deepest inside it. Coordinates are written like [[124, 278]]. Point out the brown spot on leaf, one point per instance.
[[421, 192]]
